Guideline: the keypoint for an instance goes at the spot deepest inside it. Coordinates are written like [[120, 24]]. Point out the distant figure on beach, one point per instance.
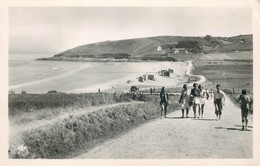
[[195, 95], [219, 99], [184, 101], [151, 91], [244, 101], [164, 102], [203, 96]]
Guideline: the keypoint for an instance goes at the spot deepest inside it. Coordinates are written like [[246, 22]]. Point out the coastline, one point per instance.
[[118, 76], [159, 59]]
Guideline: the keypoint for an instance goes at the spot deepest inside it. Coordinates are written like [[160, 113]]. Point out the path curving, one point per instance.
[[188, 73]]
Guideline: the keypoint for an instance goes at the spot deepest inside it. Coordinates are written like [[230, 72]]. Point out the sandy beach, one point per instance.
[[82, 77], [176, 79]]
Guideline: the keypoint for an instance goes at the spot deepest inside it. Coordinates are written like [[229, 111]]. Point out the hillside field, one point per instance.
[[233, 71], [158, 48]]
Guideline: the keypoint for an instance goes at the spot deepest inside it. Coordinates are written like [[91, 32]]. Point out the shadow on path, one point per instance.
[[241, 126], [178, 117], [230, 128], [206, 119]]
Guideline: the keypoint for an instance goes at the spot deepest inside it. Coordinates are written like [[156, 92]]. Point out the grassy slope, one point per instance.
[[147, 46], [236, 73], [75, 133], [230, 74]]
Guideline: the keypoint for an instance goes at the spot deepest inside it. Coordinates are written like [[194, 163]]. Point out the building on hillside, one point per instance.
[[167, 47], [180, 51]]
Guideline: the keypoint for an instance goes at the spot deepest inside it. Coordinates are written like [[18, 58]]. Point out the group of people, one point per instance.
[[195, 99]]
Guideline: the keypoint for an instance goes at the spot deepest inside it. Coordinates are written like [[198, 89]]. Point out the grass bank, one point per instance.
[[63, 138]]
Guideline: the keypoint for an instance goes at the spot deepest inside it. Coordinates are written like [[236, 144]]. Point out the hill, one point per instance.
[[152, 48]]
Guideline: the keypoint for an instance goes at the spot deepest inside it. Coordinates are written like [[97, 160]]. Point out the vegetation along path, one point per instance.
[[41, 123], [175, 137]]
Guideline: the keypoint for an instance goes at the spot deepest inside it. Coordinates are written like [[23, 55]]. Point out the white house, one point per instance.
[[180, 50]]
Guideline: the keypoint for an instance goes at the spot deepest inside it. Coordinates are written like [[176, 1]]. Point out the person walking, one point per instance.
[[219, 99], [244, 101], [207, 93], [195, 94], [203, 96], [211, 93], [184, 101], [164, 102]]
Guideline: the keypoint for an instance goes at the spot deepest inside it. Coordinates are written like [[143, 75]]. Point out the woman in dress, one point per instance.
[[195, 95]]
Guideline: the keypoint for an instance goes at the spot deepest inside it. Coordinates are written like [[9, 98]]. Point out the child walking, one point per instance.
[[244, 100]]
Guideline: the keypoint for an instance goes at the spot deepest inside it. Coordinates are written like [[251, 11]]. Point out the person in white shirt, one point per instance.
[[184, 100], [219, 99]]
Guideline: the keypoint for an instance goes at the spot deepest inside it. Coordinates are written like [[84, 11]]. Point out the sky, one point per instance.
[[55, 29]]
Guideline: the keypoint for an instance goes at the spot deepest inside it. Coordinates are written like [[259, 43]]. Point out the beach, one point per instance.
[[81, 77]]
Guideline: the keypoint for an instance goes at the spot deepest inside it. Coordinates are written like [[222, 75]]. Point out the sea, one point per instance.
[[33, 76]]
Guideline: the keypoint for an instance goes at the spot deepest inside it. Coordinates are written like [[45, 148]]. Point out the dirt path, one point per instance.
[[201, 78], [175, 137]]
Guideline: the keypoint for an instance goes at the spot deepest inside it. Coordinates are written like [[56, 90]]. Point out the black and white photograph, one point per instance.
[[131, 82]]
